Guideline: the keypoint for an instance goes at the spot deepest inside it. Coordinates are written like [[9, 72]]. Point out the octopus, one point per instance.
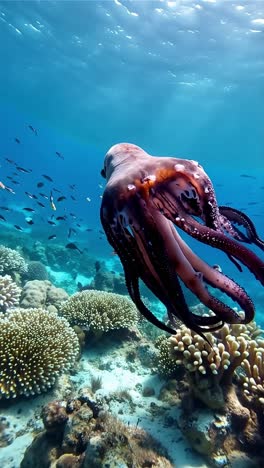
[[147, 201]]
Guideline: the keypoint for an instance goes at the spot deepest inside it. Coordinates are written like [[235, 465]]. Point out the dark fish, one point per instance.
[[9, 189], [52, 223], [56, 190], [29, 209], [59, 199], [18, 227], [73, 186], [247, 176], [4, 208], [47, 177], [73, 215], [44, 196], [29, 221], [17, 140], [15, 182], [101, 232], [40, 184], [53, 236], [61, 218], [33, 130], [22, 169], [252, 203], [73, 198], [2, 218], [15, 173], [41, 204], [77, 224], [31, 195], [89, 230], [69, 233], [10, 161], [9, 177], [73, 246], [59, 154]]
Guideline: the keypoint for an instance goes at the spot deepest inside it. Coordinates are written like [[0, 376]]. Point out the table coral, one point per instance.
[[9, 293], [35, 347], [100, 311]]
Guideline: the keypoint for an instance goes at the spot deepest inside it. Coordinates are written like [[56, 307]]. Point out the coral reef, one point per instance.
[[42, 294], [252, 376], [11, 261], [80, 434], [100, 311], [35, 347], [36, 271], [211, 368], [9, 293]]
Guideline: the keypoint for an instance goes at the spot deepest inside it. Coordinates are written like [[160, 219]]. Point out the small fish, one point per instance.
[[18, 227], [29, 221], [56, 190], [15, 182], [52, 204], [53, 236], [88, 199], [101, 232], [61, 218], [77, 224], [73, 246], [247, 176], [41, 204], [29, 209], [9, 177], [9, 189], [2, 186], [17, 140], [10, 161], [22, 169], [44, 196], [15, 173], [73, 198], [72, 186], [59, 154], [4, 208], [40, 184], [100, 186], [73, 215], [89, 230], [252, 203], [33, 130], [69, 233], [2, 218], [52, 223], [30, 195], [59, 199], [47, 177]]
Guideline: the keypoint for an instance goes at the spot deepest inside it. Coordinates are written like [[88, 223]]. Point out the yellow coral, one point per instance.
[[100, 310], [35, 347]]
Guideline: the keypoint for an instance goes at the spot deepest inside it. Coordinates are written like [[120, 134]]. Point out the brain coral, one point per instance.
[[35, 347], [9, 293], [36, 271], [11, 261], [100, 310]]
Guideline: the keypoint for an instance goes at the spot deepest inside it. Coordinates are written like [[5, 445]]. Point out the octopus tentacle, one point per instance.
[[144, 197], [237, 217]]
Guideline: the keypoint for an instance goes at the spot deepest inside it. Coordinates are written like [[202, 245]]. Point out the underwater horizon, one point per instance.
[[180, 79]]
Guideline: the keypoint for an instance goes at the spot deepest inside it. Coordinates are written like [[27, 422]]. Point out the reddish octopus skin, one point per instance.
[[144, 197]]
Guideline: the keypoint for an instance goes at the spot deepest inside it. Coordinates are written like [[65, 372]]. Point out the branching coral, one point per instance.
[[9, 293], [100, 311], [233, 346], [35, 347], [11, 261]]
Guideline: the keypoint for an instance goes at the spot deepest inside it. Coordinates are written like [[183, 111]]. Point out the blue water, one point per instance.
[[178, 78]]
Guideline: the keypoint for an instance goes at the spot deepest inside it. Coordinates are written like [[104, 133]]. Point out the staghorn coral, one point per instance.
[[11, 261], [9, 293], [35, 347], [100, 311]]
